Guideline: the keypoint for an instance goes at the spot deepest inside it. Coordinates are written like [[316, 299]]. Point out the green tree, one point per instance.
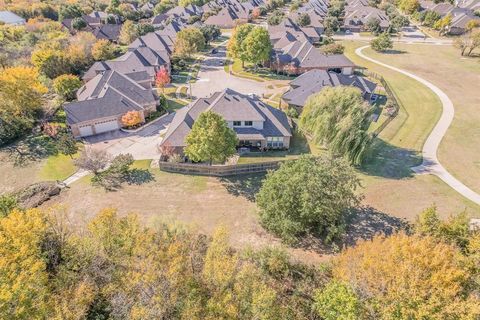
[[309, 195], [7, 204], [331, 25], [303, 19], [78, 24], [66, 86], [373, 25], [66, 144], [275, 18], [339, 118], [337, 301], [382, 43], [210, 32], [234, 46], [398, 22], [70, 11], [210, 139], [189, 41], [256, 46]]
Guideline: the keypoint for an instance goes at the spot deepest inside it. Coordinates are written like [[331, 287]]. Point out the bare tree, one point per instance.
[[93, 160]]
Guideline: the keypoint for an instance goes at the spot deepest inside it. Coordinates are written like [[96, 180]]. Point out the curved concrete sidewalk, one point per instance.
[[430, 164]]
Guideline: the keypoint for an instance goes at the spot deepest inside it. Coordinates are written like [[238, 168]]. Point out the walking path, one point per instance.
[[431, 164]]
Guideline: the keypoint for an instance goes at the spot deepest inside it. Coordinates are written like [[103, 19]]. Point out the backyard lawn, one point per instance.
[[388, 180]]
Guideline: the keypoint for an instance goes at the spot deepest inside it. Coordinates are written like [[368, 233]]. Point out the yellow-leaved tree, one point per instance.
[[21, 86], [24, 290], [409, 277], [131, 118]]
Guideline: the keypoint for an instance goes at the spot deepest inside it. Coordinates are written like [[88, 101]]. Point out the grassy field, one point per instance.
[[459, 77], [389, 184], [57, 167]]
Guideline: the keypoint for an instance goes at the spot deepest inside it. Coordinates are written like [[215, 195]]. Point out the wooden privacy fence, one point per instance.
[[391, 97], [218, 171]]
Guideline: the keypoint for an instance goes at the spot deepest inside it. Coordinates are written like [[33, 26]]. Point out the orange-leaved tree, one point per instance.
[[162, 78], [131, 118]]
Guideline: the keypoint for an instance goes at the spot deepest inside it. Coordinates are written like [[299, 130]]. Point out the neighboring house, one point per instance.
[[315, 19], [314, 81], [162, 44], [295, 57], [11, 18], [106, 98], [136, 60], [288, 25], [159, 20], [255, 123], [357, 19], [185, 12], [109, 32], [227, 18], [319, 6], [460, 19]]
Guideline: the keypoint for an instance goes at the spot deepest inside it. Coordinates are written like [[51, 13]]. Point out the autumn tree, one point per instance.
[[128, 33], [131, 118], [162, 78], [66, 86], [24, 290], [189, 41], [409, 6], [337, 301], [21, 86], [443, 24], [103, 50], [406, 277], [308, 196], [339, 118], [210, 139], [256, 47], [50, 62]]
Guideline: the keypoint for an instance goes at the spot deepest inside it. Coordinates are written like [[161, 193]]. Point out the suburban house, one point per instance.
[[135, 60], [356, 18], [106, 98], [228, 17], [314, 81], [256, 124], [288, 26], [158, 21], [462, 13], [316, 19], [295, 57], [11, 18], [109, 32], [319, 6], [158, 42]]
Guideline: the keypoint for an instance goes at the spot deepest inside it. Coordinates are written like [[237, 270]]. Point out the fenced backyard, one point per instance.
[[391, 99], [219, 170]]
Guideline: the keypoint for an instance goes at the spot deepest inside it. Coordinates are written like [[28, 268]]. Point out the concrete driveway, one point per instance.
[[141, 145], [212, 78]]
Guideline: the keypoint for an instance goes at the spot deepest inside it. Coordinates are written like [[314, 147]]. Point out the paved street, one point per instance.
[[212, 78]]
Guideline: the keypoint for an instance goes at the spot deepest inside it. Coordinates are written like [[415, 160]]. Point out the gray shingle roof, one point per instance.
[[232, 106], [314, 81], [8, 17], [108, 94]]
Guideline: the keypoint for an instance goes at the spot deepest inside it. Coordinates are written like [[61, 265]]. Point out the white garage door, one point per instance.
[[106, 126], [86, 131]]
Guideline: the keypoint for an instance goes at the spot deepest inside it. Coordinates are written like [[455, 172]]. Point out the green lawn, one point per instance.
[[390, 186], [249, 72], [58, 167]]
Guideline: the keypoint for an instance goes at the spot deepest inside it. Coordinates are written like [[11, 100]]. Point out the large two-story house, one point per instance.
[[256, 124]]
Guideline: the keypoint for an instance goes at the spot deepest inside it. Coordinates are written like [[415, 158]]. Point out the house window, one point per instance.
[[275, 142], [248, 123], [237, 123]]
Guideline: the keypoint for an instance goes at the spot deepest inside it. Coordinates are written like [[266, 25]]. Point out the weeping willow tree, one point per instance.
[[339, 119]]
